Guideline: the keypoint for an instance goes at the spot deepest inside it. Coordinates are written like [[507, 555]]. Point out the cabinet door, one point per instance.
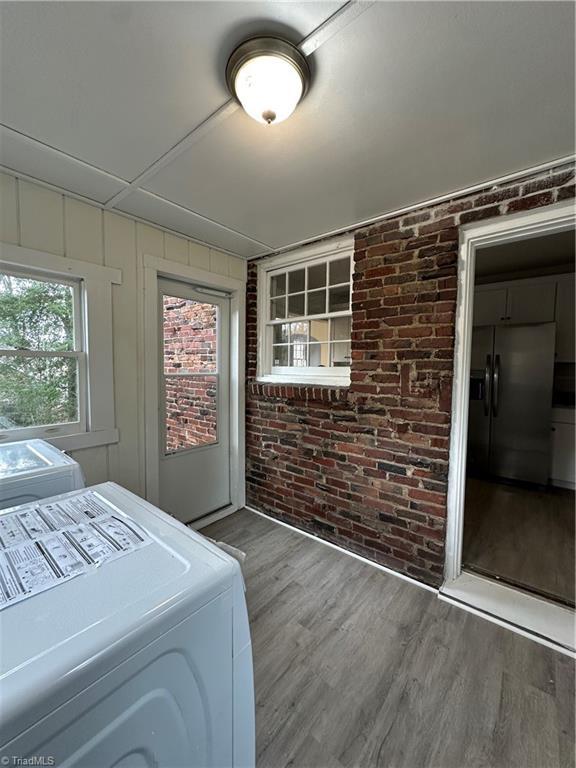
[[531, 303], [489, 306], [565, 320]]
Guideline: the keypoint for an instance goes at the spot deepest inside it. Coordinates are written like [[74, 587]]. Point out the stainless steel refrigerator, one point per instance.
[[512, 371]]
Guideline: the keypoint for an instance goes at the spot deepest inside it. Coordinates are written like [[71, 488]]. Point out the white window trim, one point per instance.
[[97, 425], [338, 377]]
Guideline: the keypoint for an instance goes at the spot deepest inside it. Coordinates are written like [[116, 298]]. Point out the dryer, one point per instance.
[[145, 660], [34, 469]]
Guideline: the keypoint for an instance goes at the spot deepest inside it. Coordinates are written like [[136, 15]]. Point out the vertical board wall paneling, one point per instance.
[[176, 248], [198, 256], [120, 252], [83, 231], [9, 209], [36, 217], [41, 218]]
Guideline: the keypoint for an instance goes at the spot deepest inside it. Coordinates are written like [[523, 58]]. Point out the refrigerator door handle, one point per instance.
[[496, 385], [487, 380]]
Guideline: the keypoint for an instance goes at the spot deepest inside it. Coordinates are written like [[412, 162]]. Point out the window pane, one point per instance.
[[280, 355], [190, 329], [341, 328], [277, 309], [340, 271], [278, 285], [280, 333], [299, 332], [316, 276], [319, 355], [340, 353], [296, 281], [298, 355], [318, 330], [339, 299], [296, 305], [35, 314], [191, 411], [317, 302], [37, 391]]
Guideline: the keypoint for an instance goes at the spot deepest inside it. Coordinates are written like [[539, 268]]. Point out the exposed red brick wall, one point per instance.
[[189, 330], [366, 466]]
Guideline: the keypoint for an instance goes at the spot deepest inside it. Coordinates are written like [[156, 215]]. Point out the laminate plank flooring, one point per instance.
[[520, 535], [355, 668]]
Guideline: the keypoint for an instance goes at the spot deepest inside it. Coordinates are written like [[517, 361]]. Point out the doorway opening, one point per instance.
[[510, 526], [519, 498]]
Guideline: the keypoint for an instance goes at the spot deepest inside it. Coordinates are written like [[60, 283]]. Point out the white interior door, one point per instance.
[[194, 413]]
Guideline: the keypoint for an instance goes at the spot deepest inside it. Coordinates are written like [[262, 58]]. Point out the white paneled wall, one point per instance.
[[35, 217]]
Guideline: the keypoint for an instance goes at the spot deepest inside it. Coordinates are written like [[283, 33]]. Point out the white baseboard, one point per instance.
[[538, 620], [213, 517], [374, 564]]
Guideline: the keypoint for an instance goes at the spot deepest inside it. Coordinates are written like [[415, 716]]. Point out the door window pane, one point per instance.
[[317, 302], [36, 314], [191, 404], [278, 285], [190, 329], [36, 391], [340, 271], [316, 276], [296, 281], [296, 305], [339, 299], [277, 309]]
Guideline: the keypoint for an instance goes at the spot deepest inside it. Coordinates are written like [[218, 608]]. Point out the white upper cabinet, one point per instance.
[[565, 337], [535, 300], [531, 302], [489, 306]]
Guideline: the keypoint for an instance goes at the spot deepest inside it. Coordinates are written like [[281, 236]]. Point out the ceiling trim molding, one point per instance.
[[333, 25], [541, 168], [132, 216], [330, 27], [197, 133]]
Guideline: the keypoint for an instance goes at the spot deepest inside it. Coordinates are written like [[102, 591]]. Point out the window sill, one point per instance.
[[82, 440], [324, 381]]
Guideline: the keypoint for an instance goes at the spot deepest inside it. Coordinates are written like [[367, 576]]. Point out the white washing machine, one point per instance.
[[34, 469], [145, 660]]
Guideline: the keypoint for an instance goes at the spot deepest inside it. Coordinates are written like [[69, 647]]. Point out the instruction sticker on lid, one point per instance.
[[43, 545]]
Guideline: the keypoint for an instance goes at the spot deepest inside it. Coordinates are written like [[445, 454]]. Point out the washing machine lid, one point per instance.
[[54, 641], [26, 459]]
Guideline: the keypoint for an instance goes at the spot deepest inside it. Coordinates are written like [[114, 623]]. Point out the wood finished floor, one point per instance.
[[355, 668], [521, 535]]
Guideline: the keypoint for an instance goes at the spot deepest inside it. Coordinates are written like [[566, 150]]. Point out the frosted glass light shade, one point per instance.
[[269, 88], [268, 76]]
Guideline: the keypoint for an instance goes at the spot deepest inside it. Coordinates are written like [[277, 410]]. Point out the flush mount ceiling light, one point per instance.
[[268, 76]]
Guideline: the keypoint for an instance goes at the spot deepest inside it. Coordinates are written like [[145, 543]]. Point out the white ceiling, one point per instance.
[[409, 101], [545, 252]]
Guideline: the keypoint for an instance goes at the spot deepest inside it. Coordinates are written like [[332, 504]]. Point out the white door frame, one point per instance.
[[155, 268], [482, 593]]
